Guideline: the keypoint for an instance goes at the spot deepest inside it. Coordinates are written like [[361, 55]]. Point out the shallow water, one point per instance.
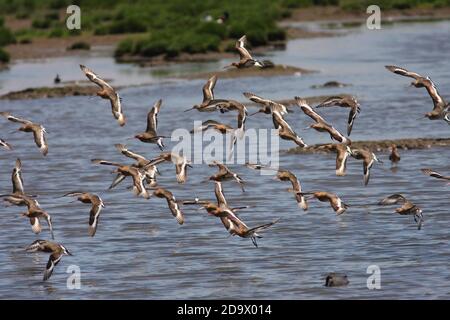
[[139, 251]]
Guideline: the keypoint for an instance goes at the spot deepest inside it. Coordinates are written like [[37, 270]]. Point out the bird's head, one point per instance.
[[65, 251]]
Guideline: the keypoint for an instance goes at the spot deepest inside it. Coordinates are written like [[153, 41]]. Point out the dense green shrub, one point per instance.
[[41, 23], [80, 45], [4, 56], [6, 37]]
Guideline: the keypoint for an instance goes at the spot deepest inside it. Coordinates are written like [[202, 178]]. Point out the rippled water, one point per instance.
[[139, 251]]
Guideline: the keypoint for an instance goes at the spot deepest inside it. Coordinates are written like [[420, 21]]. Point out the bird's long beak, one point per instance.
[[421, 117], [14, 131], [130, 138], [252, 114], [189, 109]]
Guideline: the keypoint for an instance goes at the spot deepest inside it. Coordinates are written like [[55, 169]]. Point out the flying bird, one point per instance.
[[34, 212], [434, 174], [225, 173], [171, 202], [97, 205], [344, 102], [441, 107], [38, 130], [246, 60], [268, 106], [320, 124], [141, 162], [181, 164], [336, 203], [368, 157], [208, 102], [407, 208], [286, 175], [150, 135], [342, 153], [56, 251], [128, 171], [285, 131], [107, 92], [5, 145]]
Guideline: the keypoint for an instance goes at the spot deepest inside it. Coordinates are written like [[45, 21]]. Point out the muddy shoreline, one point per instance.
[[379, 145]]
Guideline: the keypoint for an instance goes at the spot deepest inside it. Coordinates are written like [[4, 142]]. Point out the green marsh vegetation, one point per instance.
[[172, 27]]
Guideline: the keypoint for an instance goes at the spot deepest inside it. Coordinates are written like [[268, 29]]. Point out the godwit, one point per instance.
[[56, 252], [267, 105], [171, 202], [368, 160], [150, 135], [233, 105], [125, 170], [395, 155], [97, 205], [107, 92], [232, 223], [225, 173], [440, 110], [142, 163], [344, 102], [321, 125], [435, 174], [17, 185], [28, 126], [286, 175], [285, 131], [342, 153], [181, 164], [5, 144], [336, 203], [208, 97], [407, 208], [236, 226], [335, 279], [34, 212], [246, 60]]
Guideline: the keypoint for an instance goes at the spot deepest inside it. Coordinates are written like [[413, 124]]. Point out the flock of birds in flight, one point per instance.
[[143, 171]]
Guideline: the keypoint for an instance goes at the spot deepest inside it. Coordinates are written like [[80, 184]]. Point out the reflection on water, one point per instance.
[[139, 251]]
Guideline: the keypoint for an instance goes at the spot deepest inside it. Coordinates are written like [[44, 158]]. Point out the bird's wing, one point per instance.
[[53, 260], [93, 217], [16, 178], [257, 99], [95, 78], [175, 209], [116, 107], [392, 199], [351, 119], [432, 90], [5, 144], [12, 118], [40, 139], [208, 89], [308, 110], [105, 162], [331, 101], [243, 52], [403, 72], [152, 117], [180, 169], [128, 153], [434, 174]]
